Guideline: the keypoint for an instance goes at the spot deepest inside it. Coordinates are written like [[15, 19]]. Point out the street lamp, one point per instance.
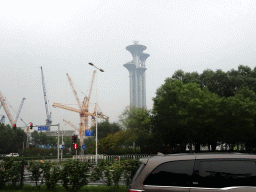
[[96, 158], [96, 67]]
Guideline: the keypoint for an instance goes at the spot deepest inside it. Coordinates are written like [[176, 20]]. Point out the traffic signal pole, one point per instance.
[[31, 126], [58, 142]]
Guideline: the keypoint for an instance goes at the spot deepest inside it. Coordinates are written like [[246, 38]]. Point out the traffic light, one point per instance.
[[75, 146], [14, 126], [31, 125], [75, 138]]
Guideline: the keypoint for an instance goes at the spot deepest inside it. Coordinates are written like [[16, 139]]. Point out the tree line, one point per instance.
[[204, 109]]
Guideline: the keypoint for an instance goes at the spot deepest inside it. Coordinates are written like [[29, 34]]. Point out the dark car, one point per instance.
[[196, 172]]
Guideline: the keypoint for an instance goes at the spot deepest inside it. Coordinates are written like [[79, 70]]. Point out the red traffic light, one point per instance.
[[75, 146], [31, 125], [75, 138], [14, 126]]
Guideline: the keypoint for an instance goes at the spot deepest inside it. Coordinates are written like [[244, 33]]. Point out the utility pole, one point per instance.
[[58, 142], [96, 150]]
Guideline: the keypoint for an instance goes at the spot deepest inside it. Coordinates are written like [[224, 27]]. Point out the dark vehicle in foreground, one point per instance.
[[216, 172]]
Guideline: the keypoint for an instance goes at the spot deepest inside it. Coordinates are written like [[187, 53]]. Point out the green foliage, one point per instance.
[[111, 143], [105, 128], [10, 171], [136, 124], [74, 174], [40, 138], [11, 140], [185, 113], [224, 84], [114, 171], [36, 151], [97, 173], [90, 144], [130, 167], [35, 168], [51, 174]]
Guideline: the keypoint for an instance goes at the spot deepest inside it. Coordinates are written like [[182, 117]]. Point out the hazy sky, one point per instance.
[[63, 36]]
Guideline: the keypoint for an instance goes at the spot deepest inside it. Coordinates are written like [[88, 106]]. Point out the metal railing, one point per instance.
[[112, 158]]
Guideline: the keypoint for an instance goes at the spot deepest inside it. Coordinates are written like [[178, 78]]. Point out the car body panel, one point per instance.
[[153, 162], [226, 189]]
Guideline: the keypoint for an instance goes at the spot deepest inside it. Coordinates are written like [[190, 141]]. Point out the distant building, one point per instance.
[[137, 74]]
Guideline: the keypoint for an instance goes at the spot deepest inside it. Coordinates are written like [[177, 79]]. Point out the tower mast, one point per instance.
[[48, 113]]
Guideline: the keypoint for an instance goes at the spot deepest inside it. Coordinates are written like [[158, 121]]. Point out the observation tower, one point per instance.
[[137, 68]]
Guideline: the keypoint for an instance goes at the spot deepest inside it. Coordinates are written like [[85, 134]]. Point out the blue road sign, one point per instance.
[[83, 147], [42, 128], [88, 133]]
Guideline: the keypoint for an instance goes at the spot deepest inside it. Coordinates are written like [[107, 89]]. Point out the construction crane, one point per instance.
[[17, 116], [27, 131], [99, 115], [83, 111], [83, 108], [70, 124], [48, 113], [6, 109], [87, 99]]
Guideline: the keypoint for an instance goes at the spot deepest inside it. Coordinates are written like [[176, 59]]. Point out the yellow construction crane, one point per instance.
[[100, 115], [70, 124], [83, 108]]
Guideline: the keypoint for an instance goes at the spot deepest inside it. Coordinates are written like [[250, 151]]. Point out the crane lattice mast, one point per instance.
[[48, 113], [18, 114]]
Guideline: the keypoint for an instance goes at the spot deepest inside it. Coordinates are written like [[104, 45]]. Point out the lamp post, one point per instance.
[[96, 158]]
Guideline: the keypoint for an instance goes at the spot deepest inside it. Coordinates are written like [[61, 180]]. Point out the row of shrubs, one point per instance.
[[73, 174], [36, 151]]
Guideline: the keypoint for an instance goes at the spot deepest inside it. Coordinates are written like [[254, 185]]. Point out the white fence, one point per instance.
[[110, 157]]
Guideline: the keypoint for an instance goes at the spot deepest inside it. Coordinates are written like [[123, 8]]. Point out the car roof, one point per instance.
[[189, 156]]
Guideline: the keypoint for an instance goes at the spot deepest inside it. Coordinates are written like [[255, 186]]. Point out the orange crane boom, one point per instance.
[[74, 91]]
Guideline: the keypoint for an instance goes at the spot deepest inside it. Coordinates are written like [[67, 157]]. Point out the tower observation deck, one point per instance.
[[137, 68]]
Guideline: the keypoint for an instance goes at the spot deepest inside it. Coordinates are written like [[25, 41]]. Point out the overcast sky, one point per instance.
[[63, 36]]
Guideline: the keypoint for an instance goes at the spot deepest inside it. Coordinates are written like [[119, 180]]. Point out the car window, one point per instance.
[[227, 173], [173, 173]]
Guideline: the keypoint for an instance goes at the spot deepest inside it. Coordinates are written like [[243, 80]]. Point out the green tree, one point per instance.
[[104, 128], [67, 141], [238, 124], [224, 84], [181, 112], [52, 141], [11, 140], [136, 122]]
